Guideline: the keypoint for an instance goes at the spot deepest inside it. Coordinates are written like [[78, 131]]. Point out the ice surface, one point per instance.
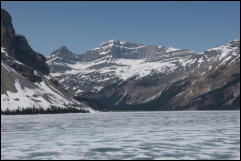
[[128, 135]]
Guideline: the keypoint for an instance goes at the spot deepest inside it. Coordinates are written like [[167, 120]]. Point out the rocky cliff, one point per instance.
[[26, 87], [18, 48]]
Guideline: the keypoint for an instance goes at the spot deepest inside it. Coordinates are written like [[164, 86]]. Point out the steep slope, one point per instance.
[[18, 93], [219, 86], [25, 85], [128, 76]]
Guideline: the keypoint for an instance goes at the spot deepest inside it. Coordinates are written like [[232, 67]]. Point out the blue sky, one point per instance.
[[82, 26]]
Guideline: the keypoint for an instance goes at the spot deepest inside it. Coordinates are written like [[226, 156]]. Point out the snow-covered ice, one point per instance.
[[196, 135]]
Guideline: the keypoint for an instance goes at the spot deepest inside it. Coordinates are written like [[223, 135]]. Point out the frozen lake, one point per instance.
[[122, 135]]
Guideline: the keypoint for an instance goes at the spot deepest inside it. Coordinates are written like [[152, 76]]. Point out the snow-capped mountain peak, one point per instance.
[[62, 51], [110, 43], [118, 44]]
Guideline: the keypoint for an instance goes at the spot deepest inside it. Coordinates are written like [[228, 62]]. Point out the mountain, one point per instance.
[[121, 75], [111, 62], [25, 84]]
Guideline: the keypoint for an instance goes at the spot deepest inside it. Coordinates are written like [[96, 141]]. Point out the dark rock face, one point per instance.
[[7, 32], [18, 47], [29, 57], [25, 71]]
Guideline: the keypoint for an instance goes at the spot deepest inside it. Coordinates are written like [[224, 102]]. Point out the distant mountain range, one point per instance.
[[116, 76], [119, 75], [25, 85]]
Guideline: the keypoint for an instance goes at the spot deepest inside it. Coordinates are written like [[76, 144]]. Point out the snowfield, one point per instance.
[[42, 94], [44, 97]]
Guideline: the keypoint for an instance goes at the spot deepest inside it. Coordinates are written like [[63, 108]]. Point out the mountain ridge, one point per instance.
[[112, 64]]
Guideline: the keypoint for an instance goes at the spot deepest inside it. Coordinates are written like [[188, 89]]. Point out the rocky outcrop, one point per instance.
[[7, 32]]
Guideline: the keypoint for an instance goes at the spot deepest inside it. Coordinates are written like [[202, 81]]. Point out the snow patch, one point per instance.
[[171, 49]]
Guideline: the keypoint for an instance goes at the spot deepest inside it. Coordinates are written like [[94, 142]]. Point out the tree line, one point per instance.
[[41, 110]]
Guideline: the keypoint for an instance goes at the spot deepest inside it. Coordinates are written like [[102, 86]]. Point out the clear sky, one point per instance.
[[82, 26]]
